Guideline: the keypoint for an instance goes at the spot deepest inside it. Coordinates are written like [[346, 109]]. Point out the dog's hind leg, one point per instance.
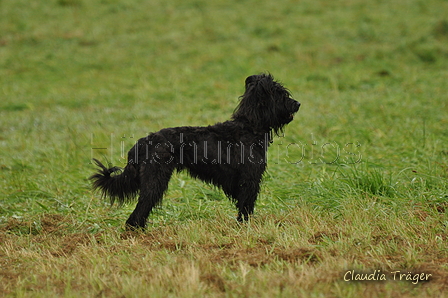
[[154, 182]]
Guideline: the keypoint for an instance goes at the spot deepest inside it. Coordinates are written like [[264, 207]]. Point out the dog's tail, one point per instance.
[[122, 187]]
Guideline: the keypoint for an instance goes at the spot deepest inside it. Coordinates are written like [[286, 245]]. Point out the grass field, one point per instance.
[[356, 188]]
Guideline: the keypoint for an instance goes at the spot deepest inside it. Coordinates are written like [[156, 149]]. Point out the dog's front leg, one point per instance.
[[245, 199]]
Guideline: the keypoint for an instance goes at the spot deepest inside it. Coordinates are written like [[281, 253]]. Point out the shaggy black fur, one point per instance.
[[230, 155]]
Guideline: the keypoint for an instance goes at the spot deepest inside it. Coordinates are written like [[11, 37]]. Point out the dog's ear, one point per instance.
[[255, 104], [262, 82], [251, 80]]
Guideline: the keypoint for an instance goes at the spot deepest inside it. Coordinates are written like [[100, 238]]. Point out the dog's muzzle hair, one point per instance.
[[230, 155]]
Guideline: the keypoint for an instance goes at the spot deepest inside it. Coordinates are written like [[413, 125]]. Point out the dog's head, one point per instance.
[[266, 104]]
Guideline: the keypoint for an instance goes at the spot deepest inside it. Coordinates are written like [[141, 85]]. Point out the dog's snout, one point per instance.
[[297, 105]]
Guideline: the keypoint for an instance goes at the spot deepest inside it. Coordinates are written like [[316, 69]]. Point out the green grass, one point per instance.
[[358, 182]]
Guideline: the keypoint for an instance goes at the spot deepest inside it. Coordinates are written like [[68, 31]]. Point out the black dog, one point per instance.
[[230, 155]]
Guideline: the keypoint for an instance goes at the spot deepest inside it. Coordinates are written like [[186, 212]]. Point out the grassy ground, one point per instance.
[[357, 184]]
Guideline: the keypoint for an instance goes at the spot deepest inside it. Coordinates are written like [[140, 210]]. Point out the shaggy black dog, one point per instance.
[[230, 155]]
